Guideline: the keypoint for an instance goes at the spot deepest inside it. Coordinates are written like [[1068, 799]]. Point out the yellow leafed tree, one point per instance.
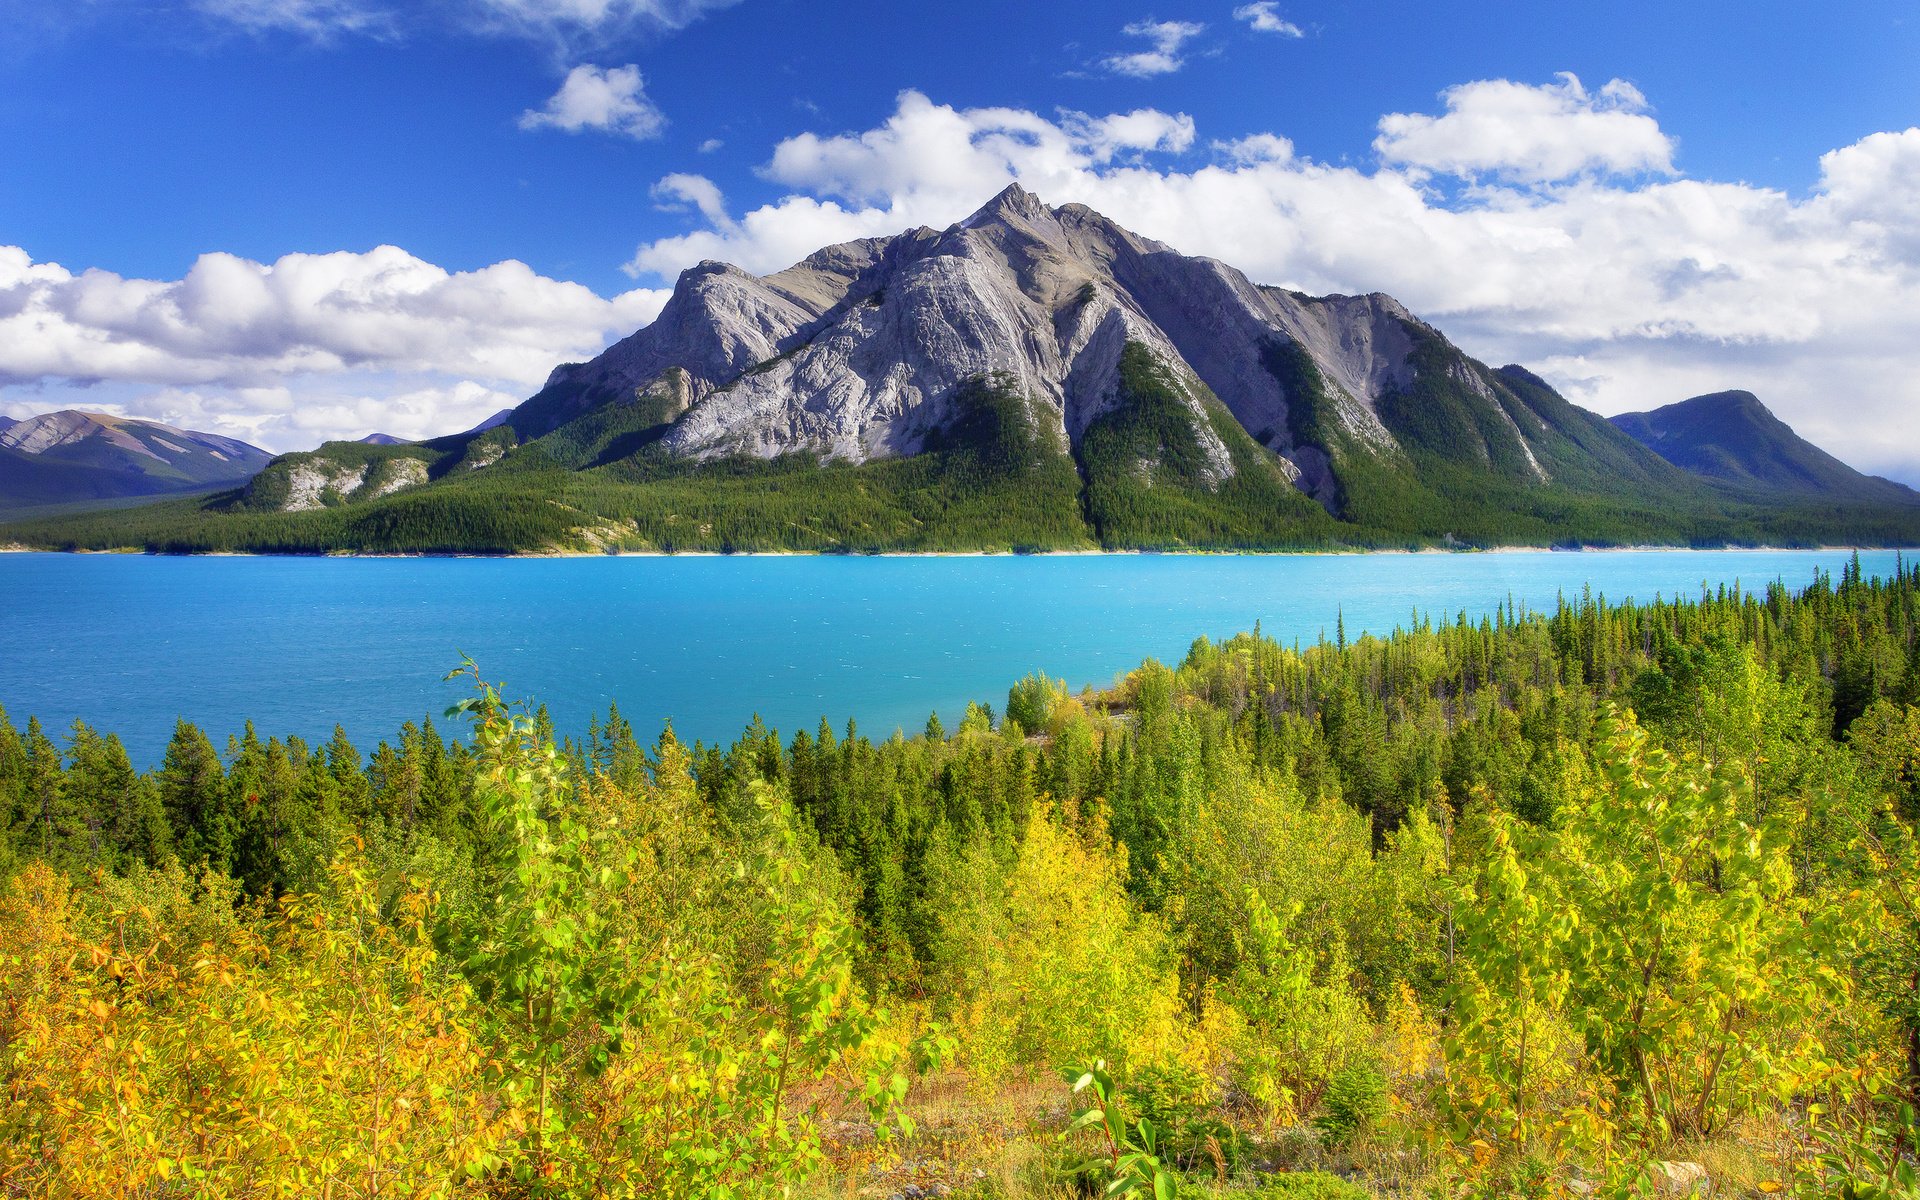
[[1048, 963]]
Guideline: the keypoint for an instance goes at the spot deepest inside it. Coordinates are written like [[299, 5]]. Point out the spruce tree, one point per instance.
[[192, 790]]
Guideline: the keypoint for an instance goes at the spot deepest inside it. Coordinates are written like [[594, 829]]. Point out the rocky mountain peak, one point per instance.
[[868, 349], [1014, 204], [37, 435]]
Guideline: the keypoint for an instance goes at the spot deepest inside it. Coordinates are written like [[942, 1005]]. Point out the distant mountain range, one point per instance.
[[72, 457], [387, 439], [1730, 436], [1035, 378]]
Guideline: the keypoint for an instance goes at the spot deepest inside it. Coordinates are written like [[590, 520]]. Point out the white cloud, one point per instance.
[[1140, 131], [1256, 148], [1522, 133], [676, 192], [1872, 184], [1628, 287], [597, 19], [318, 19], [567, 24], [1264, 17], [611, 99], [411, 414], [1627, 290], [710, 145], [282, 418], [1166, 38], [237, 332]]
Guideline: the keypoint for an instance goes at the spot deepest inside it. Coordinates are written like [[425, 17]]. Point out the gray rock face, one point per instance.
[[861, 351], [314, 481], [308, 483], [1019, 292]]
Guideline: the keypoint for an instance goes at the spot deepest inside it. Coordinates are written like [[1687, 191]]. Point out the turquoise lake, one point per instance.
[[129, 643]]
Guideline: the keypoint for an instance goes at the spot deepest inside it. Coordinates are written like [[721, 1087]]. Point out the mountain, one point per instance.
[[1731, 436], [493, 422], [1032, 377], [387, 439], [1177, 386], [70, 456]]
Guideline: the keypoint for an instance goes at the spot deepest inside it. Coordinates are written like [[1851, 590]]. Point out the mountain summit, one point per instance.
[[70, 456], [864, 350], [877, 349], [1030, 377], [1731, 436]]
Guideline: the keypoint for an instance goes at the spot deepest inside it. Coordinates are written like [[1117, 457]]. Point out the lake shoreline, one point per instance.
[[137, 642], [1326, 552]]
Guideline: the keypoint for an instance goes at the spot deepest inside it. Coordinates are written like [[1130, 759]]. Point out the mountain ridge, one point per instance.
[[1732, 436], [72, 456], [1028, 378], [852, 354]]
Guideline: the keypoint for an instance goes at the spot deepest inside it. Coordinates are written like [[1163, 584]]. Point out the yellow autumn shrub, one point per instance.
[[1046, 963], [319, 1051]]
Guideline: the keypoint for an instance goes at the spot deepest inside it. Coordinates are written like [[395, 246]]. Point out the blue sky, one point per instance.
[[1642, 200]]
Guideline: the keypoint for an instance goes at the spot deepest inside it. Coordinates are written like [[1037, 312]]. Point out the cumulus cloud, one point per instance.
[[677, 192], [1256, 148], [237, 332], [929, 164], [1166, 39], [1523, 133], [612, 100], [287, 418], [1627, 285], [1871, 185], [1140, 131], [1264, 17]]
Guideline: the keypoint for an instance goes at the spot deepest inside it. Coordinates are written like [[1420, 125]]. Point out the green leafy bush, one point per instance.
[[1355, 1101], [1310, 1185], [1178, 1099]]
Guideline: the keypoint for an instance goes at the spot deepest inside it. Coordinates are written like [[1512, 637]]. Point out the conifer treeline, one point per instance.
[[1433, 715]]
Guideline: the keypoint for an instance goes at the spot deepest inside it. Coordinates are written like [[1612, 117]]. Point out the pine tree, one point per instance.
[[50, 827], [351, 796], [13, 790], [192, 790], [124, 818]]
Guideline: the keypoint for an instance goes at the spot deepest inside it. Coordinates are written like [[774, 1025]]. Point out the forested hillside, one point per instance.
[[1608, 900]]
